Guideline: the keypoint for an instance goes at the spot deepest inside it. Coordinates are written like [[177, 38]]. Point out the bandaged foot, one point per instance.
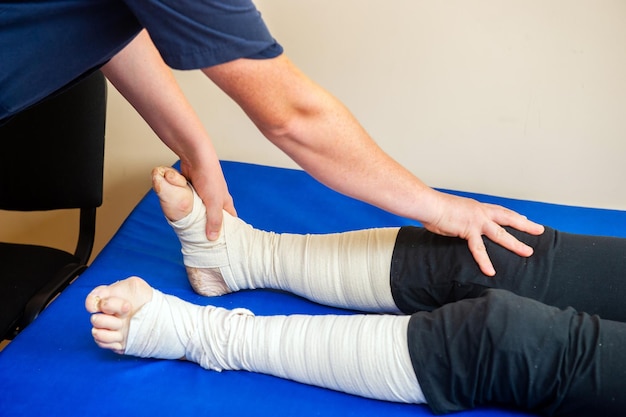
[[347, 270], [185, 212], [358, 354], [129, 317], [113, 307]]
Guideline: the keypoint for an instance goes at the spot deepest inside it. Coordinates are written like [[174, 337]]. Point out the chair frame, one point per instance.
[[87, 97]]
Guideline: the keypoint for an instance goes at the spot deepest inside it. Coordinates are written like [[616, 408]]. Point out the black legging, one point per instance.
[[472, 341], [503, 349], [587, 273]]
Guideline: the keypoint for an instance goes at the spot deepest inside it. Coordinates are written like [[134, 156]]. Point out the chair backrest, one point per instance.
[[51, 155]]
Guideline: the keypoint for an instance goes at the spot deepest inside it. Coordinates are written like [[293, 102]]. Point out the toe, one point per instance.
[[157, 178], [110, 340], [116, 306], [92, 301], [104, 336], [174, 177], [106, 322]]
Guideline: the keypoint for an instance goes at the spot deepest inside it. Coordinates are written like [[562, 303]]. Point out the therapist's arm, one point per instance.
[[140, 75], [324, 138]]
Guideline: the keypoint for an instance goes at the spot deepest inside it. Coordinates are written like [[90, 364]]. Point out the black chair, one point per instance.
[[51, 157]]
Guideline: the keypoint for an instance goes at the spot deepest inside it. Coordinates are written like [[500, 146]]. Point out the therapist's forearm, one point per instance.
[[142, 77], [319, 133], [334, 148]]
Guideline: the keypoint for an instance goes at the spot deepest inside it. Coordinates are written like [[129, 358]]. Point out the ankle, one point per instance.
[[207, 281], [208, 347]]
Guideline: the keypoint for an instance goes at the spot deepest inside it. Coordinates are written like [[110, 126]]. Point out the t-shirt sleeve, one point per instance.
[[192, 34]]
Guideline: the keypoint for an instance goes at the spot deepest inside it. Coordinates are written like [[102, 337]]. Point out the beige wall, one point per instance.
[[523, 99]]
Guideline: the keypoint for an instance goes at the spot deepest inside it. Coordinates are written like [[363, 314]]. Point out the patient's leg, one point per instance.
[[581, 271], [465, 354], [365, 355], [348, 270], [500, 348]]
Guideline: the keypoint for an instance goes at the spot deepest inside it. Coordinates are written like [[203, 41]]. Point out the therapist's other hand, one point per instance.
[[471, 220]]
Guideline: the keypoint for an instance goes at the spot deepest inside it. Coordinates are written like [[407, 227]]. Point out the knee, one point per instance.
[[500, 347], [504, 327]]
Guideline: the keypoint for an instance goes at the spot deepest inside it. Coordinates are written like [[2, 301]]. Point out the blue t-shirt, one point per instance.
[[47, 44]]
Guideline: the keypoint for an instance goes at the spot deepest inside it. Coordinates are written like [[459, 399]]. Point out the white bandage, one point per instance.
[[358, 354], [161, 328], [347, 270], [365, 355], [198, 251]]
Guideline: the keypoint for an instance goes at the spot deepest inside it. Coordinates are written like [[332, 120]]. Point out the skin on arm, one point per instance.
[[140, 75], [323, 137]]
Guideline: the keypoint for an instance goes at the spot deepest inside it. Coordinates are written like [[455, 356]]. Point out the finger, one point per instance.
[[499, 235], [229, 207], [479, 252], [213, 221], [507, 217]]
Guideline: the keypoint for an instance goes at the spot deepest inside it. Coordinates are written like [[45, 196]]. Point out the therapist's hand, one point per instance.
[[471, 220], [211, 186]]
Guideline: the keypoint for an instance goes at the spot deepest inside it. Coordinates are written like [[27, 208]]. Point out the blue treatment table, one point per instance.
[[54, 368]]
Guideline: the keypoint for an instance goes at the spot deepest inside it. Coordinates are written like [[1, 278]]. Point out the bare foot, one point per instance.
[[112, 307], [173, 191]]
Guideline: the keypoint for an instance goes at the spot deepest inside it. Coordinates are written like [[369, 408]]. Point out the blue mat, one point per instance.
[[54, 368]]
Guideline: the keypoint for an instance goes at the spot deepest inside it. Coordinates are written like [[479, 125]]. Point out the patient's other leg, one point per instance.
[[366, 355], [348, 270]]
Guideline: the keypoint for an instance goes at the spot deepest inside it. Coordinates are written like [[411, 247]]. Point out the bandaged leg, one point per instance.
[[365, 355], [347, 270], [500, 348]]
